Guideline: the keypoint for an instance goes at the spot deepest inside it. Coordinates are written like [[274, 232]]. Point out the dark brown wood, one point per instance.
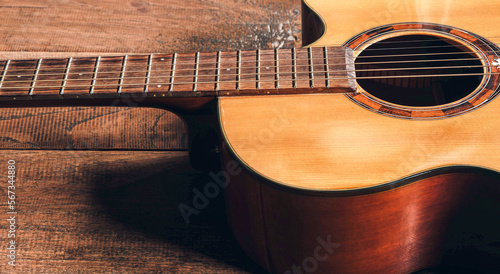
[[107, 78], [207, 70], [82, 72], [91, 211], [286, 77], [96, 128], [67, 226], [228, 71], [51, 76], [313, 25], [18, 77], [181, 75], [267, 72], [145, 27], [135, 74]]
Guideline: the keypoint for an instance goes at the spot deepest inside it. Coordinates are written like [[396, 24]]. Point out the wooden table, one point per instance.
[[98, 188]]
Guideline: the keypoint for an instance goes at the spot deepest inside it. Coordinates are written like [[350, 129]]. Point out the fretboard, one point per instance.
[[260, 72]]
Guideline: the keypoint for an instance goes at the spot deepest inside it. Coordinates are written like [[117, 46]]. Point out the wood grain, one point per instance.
[[291, 139], [81, 208], [94, 28], [147, 26], [316, 165], [115, 211], [433, 220], [324, 142], [93, 128], [341, 20], [314, 70]]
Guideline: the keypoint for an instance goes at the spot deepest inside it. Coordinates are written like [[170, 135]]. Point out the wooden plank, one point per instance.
[[147, 26], [99, 211], [116, 210], [85, 128], [142, 27]]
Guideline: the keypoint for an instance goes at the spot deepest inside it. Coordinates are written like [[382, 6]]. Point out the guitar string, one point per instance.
[[273, 53], [426, 47], [305, 72], [246, 74], [120, 61], [9, 72], [253, 81], [435, 39]]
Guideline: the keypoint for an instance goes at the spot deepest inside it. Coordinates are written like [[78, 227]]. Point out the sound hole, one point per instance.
[[418, 70]]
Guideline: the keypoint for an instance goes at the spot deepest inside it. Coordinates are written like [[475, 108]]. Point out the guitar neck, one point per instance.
[[283, 71]]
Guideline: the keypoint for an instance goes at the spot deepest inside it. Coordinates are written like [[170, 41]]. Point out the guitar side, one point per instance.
[[329, 186]]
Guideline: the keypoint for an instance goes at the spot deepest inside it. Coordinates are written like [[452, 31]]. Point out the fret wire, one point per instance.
[[311, 67], [94, 77], [276, 68], [4, 72], [238, 75], [38, 63], [196, 67], [294, 68], [271, 73], [339, 64], [331, 78], [258, 70], [327, 67], [172, 73], [122, 73], [217, 77], [68, 65], [148, 73]]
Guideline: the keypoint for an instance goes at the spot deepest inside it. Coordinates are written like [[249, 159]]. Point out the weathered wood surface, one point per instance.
[[114, 211], [90, 128], [84, 209], [147, 26]]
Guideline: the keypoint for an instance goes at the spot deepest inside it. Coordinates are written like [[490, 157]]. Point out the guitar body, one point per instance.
[[337, 183], [373, 150]]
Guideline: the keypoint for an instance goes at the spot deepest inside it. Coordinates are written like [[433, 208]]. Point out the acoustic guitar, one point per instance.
[[373, 149]]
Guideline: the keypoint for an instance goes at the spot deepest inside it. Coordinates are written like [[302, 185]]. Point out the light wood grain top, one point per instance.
[[344, 19], [326, 142]]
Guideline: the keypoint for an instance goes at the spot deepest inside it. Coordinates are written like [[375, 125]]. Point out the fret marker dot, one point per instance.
[[19, 76], [267, 67], [159, 86], [228, 69], [163, 59], [80, 74]]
